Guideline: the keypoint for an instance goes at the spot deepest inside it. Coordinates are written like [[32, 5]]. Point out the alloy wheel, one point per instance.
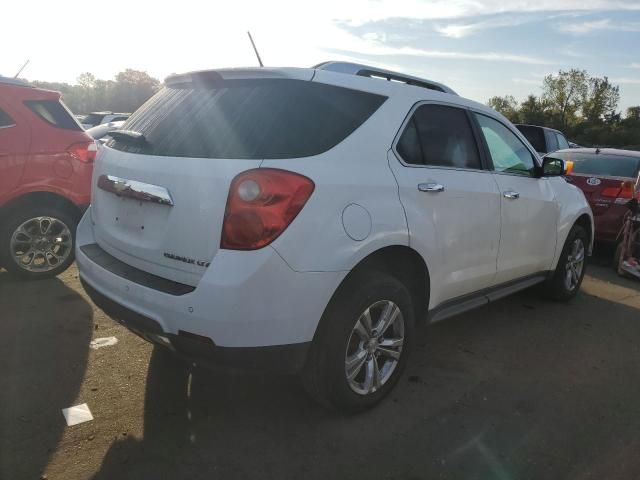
[[41, 244], [574, 265], [374, 347]]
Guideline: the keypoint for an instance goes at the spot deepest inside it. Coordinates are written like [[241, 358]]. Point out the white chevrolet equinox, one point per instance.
[[304, 220]]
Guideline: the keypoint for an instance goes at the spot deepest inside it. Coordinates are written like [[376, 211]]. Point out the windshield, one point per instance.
[[249, 119], [602, 165]]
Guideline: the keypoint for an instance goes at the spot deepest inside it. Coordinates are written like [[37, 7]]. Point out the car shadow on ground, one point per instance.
[[522, 388], [44, 343]]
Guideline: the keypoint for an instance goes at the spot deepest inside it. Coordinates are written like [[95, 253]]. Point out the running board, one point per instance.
[[464, 303]]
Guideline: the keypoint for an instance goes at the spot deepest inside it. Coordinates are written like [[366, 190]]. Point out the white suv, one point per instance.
[[305, 219]]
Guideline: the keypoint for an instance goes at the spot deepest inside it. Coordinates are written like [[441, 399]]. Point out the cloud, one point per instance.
[[584, 28], [358, 12], [628, 81], [460, 30], [634, 65], [527, 81], [383, 50]]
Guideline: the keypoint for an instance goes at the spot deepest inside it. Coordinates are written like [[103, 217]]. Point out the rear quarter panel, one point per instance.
[[354, 172]]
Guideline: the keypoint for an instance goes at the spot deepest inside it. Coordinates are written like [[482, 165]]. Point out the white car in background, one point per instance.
[[306, 219], [101, 133], [98, 118]]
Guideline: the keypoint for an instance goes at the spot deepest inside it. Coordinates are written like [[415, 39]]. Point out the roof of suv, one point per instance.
[[13, 81], [537, 126], [25, 91]]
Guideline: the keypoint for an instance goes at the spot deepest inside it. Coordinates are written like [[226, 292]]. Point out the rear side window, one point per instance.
[[5, 120], [602, 165], [54, 113], [248, 119], [535, 136], [562, 141], [552, 141], [439, 136]]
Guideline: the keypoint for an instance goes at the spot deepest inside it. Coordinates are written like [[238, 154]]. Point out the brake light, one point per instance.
[[261, 204], [84, 151], [610, 192], [622, 194]]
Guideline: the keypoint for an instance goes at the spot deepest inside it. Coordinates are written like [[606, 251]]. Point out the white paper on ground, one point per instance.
[[103, 342], [77, 414]]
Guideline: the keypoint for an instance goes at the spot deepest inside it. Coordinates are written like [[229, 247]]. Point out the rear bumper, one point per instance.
[[243, 300], [202, 350]]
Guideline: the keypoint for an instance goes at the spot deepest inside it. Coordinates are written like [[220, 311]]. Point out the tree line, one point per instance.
[[582, 106], [128, 91]]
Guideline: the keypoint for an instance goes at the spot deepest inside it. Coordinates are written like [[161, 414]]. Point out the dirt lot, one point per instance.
[[523, 388]]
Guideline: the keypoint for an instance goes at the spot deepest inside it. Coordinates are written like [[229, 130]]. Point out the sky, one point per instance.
[[480, 48]]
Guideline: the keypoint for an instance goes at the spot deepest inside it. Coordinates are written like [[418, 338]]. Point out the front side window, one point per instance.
[[439, 136], [508, 153]]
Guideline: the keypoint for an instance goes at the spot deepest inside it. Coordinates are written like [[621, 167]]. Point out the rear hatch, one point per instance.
[[161, 184]]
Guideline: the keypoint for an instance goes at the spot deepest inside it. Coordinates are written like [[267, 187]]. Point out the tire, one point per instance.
[[58, 242], [559, 287], [324, 376]]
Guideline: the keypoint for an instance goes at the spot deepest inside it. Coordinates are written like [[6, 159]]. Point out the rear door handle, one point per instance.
[[511, 195], [430, 187]]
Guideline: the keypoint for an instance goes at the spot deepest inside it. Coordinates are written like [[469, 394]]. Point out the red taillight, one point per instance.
[[611, 192], [84, 151], [625, 191], [261, 205]]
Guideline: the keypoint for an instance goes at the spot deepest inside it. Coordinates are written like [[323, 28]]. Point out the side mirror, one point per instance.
[[556, 167]]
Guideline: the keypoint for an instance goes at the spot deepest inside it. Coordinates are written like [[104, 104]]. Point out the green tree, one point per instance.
[[564, 94], [533, 111], [633, 114], [132, 88], [600, 101], [507, 106]]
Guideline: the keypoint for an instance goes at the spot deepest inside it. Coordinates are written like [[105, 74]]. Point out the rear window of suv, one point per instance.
[[54, 113], [535, 136], [248, 119], [602, 165]]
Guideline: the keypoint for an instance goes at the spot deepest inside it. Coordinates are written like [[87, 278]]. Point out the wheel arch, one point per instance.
[[39, 198], [402, 262]]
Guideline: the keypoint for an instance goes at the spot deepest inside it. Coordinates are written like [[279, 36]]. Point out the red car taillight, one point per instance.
[[261, 205], [84, 151], [624, 192]]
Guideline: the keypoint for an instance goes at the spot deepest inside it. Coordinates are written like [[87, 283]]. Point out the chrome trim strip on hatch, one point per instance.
[[140, 191]]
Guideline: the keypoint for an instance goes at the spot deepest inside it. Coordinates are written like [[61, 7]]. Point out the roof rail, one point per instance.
[[13, 81], [374, 72]]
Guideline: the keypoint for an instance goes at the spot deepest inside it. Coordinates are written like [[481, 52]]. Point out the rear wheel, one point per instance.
[[38, 241], [362, 344], [567, 278]]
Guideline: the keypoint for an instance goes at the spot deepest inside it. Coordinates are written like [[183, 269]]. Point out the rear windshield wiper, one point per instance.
[[129, 136]]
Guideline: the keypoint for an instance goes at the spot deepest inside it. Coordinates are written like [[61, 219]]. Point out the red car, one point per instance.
[[609, 178], [46, 161]]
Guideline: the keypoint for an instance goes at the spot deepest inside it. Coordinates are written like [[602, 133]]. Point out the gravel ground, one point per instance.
[[523, 388]]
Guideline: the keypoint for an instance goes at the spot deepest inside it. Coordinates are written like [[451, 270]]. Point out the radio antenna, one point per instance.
[[255, 49], [21, 68]]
